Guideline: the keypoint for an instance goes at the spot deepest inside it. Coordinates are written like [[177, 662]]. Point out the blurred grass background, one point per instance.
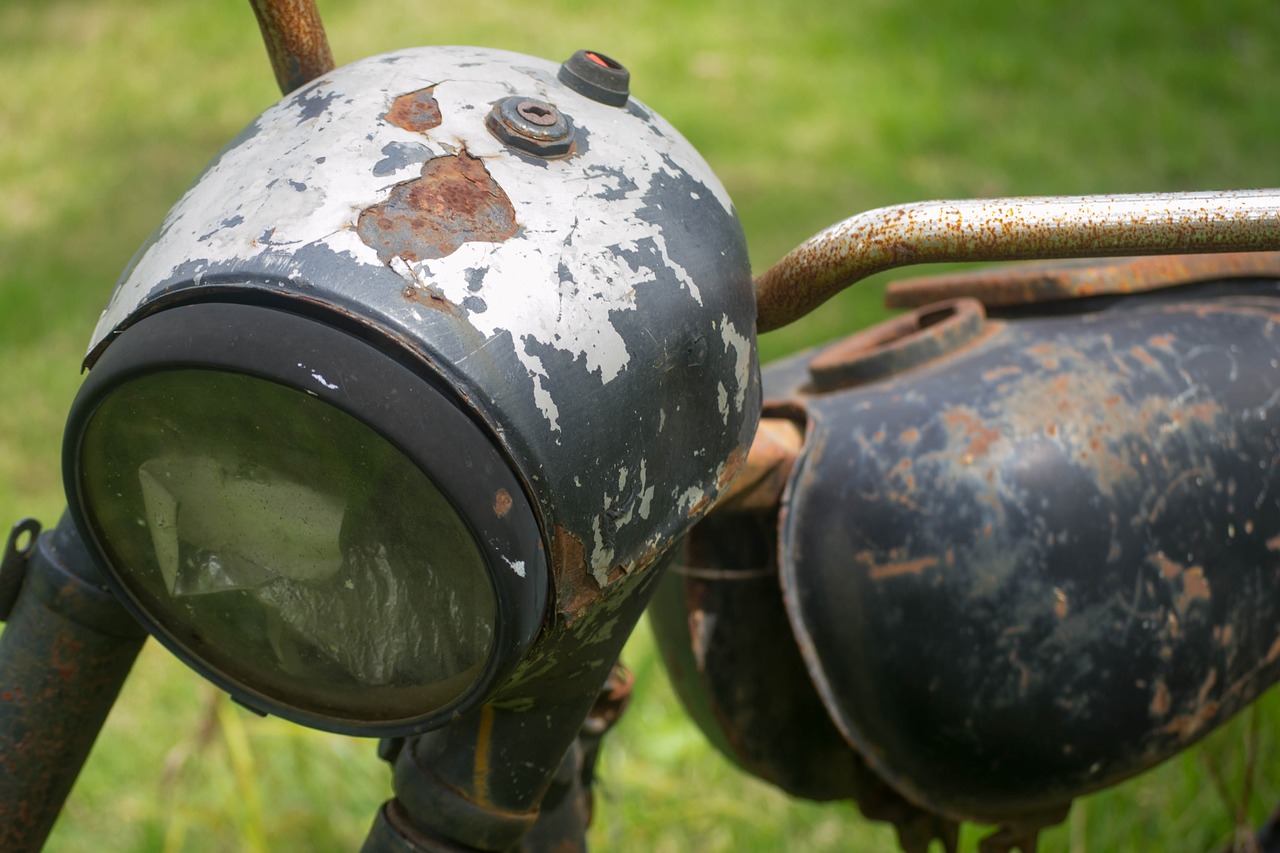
[[808, 111]]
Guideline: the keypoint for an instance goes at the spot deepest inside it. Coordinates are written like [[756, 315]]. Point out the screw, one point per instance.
[[543, 115]]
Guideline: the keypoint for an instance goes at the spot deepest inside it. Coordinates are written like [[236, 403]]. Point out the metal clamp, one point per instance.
[[13, 566]]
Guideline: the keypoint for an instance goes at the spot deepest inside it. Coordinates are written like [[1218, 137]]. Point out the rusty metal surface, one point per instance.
[[454, 201], [1029, 284], [899, 344], [295, 40], [1010, 229], [759, 484], [1062, 545], [64, 655], [416, 112]]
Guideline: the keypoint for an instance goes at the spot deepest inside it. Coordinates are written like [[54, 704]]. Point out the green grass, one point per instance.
[[808, 111]]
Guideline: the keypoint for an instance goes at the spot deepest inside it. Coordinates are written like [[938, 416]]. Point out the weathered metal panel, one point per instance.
[[1050, 560]]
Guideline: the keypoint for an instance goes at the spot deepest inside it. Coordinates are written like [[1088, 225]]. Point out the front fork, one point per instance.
[[66, 649]]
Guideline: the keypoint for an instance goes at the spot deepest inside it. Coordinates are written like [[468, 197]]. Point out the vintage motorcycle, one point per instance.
[[348, 447]]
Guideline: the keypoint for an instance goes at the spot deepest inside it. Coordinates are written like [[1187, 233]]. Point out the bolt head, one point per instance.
[[530, 125]]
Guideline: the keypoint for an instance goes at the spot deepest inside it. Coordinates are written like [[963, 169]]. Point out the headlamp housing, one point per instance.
[[552, 342]]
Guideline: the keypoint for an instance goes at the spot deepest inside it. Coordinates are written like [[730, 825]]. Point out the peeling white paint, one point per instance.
[[317, 377], [602, 558], [646, 495], [517, 566], [541, 395], [722, 402], [690, 498], [741, 345], [303, 181]]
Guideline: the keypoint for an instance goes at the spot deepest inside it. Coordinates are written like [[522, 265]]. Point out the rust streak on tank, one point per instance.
[[999, 372], [1194, 588], [1143, 356], [1161, 702], [908, 567], [1169, 569], [980, 436]]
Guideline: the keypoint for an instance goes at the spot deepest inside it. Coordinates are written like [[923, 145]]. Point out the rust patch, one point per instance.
[[1143, 356], [1273, 544], [1274, 652], [417, 111], [1000, 372], [1161, 702], [429, 297], [909, 567], [1187, 726], [755, 479], [567, 553], [1194, 588], [1061, 607], [1026, 284], [699, 505], [575, 586], [980, 437], [455, 201], [732, 466], [910, 435], [1169, 569], [501, 503]]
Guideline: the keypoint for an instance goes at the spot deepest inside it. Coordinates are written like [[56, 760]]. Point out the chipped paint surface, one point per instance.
[[562, 240], [595, 310], [454, 201], [1064, 532]]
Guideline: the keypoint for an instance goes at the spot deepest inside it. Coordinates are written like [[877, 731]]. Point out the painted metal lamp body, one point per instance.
[[591, 311]]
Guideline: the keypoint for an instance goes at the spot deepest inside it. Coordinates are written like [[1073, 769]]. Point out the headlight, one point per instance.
[[271, 497], [416, 390]]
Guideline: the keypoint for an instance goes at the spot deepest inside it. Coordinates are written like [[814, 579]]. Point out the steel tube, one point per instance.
[[295, 40], [64, 655], [1011, 229]]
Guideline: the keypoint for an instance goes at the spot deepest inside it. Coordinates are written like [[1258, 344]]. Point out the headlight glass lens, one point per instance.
[[287, 544]]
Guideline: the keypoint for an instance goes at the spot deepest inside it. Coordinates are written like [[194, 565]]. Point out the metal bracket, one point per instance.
[[13, 566]]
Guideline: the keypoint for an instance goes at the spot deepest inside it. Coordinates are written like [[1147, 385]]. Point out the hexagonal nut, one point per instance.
[[532, 126]]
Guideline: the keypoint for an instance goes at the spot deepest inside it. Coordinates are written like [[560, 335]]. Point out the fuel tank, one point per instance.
[[1026, 548]]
